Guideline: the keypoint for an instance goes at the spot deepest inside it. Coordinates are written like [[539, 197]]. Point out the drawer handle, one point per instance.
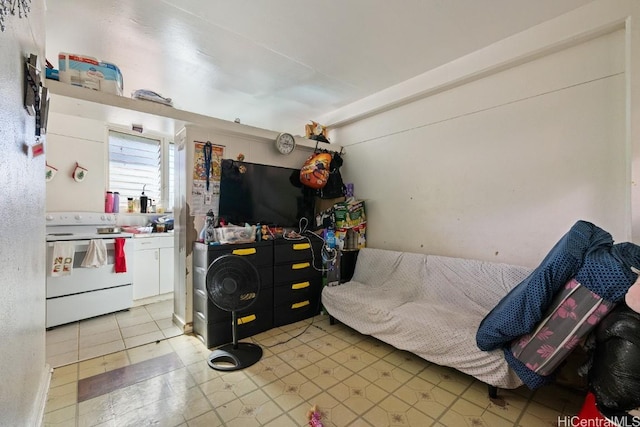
[[245, 251], [300, 266], [300, 285], [246, 319], [301, 246], [300, 304]]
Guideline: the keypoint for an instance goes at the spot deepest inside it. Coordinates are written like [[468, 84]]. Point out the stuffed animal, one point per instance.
[[314, 417]]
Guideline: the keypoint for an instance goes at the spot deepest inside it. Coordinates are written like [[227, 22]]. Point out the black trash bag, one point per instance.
[[334, 186], [614, 375]]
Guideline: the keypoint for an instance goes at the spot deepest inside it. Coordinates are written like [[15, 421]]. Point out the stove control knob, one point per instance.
[[78, 217], [49, 217], [103, 217]]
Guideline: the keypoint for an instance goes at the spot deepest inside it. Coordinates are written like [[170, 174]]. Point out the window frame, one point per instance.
[[165, 142]]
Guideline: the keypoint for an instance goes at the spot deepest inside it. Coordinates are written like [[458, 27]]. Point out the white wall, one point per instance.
[[24, 374], [76, 139], [495, 156]]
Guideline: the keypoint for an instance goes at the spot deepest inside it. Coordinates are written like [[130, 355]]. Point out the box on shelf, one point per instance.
[[351, 224], [89, 72]]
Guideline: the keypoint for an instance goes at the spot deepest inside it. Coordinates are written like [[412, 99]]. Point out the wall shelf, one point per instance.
[[120, 110]]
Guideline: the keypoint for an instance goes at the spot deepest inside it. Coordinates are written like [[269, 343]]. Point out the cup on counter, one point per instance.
[[160, 228]]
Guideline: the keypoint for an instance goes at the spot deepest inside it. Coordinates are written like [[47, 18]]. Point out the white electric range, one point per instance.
[[91, 291]]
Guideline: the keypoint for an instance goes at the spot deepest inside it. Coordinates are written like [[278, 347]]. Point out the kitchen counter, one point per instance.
[[146, 235]]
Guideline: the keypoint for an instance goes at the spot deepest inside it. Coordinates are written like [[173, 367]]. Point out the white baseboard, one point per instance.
[[41, 399]]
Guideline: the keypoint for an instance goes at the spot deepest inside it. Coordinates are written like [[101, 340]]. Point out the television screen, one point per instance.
[[261, 194]]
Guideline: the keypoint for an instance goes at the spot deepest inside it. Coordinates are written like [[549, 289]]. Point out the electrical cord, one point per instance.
[[332, 255], [329, 255]]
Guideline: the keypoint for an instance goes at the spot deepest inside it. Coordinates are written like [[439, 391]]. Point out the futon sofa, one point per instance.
[[428, 305]]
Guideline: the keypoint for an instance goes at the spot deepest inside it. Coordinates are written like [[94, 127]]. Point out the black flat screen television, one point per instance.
[[261, 194]]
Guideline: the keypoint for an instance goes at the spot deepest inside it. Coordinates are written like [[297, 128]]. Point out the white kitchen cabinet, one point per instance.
[[166, 270], [154, 266]]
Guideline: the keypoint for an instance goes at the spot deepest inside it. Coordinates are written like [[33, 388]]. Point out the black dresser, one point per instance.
[[290, 286]]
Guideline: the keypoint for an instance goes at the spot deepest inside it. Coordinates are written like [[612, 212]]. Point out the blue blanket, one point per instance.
[[587, 253]]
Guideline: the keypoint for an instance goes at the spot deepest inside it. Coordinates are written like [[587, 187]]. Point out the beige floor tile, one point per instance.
[[62, 333], [100, 349], [62, 347], [282, 421], [63, 417], [354, 358], [100, 338], [165, 323], [514, 403], [208, 419], [446, 378], [139, 329], [64, 375], [195, 407], [98, 324], [172, 331], [426, 397], [385, 375], [134, 319], [148, 351], [354, 381], [62, 359], [379, 417], [537, 414], [326, 373], [62, 396], [147, 338]]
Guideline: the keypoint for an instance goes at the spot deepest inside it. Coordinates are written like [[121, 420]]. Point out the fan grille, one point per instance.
[[232, 283]]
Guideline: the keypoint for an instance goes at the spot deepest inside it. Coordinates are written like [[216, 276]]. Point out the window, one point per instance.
[[137, 163]]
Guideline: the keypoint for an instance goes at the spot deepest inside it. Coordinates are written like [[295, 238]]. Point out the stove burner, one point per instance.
[[59, 234]]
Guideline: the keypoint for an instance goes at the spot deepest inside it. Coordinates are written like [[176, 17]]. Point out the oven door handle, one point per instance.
[[84, 243]]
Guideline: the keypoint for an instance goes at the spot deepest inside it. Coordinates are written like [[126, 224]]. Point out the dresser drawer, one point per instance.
[[295, 272], [248, 324], [200, 253], [295, 311], [259, 253], [288, 251], [263, 302], [297, 291]]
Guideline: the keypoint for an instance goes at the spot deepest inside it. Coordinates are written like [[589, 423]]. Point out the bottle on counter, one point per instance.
[[131, 207], [116, 202], [108, 202]]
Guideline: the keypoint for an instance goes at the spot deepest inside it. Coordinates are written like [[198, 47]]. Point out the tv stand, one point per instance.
[[290, 286]]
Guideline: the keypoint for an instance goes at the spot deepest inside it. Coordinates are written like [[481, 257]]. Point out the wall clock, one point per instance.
[[285, 143]]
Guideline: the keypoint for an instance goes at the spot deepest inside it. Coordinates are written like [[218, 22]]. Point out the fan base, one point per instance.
[[228, 358]]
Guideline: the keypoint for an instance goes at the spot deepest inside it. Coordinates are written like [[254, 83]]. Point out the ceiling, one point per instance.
[[278, 64]]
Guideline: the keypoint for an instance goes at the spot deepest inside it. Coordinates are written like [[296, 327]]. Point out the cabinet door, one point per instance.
[[166, 270], [146, 274]]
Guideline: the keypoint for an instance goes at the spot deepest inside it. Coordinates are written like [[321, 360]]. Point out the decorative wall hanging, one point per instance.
[[9, 7], [50, 172], [205, 190], [79, 173], [36, 98]]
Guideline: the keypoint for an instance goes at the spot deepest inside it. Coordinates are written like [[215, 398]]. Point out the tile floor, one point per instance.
[[354, 380], [86, 339]]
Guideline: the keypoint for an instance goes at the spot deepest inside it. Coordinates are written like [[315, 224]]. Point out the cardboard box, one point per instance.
[[324, 204], [86, 71]]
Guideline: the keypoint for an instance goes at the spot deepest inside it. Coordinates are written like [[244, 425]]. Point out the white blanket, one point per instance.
[[428, 305], [96, 255], [62, 259]]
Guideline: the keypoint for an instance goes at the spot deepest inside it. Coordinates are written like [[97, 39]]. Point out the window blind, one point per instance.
[[134, 163]]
